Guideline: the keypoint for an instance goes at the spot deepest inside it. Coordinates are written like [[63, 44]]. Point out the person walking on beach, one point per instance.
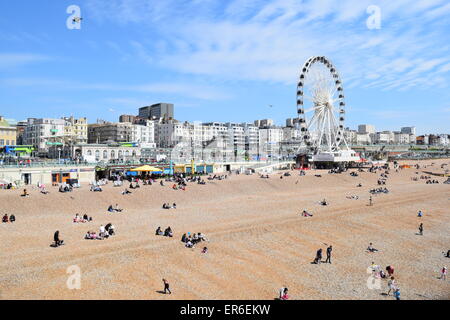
[[421, 229], [391, 285], [443, 273], [166, 286], [397, 293], [329, 249], [318, 259], [370, 201]]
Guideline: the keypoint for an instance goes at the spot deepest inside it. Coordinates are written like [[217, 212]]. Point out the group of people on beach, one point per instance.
[[79, 219], [318, 258], [218, 177], [377, 272], [65, 188], [167, 232], [168, 206], [379, 190], [11, 218], [96, 189], [191, 240], [104, 233]]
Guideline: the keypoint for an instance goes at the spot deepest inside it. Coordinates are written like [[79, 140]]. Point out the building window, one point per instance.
[[89, 153], [113, 154], [97, 155], [105, 154]]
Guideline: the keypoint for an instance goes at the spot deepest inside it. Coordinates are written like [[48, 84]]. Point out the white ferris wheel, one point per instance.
[[321, 110]]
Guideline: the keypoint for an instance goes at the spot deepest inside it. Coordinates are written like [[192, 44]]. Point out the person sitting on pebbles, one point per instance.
[[159, 232], [370, 248]]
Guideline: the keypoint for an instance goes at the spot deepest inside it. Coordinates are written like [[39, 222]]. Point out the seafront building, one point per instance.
[[8, 133], [156, 134]]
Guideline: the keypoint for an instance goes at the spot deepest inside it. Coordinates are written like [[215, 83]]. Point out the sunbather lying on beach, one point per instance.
[[91, 235], [306, 214], [126, 191], [116, 209]]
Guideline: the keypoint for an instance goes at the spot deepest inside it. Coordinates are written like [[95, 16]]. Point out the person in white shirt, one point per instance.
[[391, 285], [102, 232]]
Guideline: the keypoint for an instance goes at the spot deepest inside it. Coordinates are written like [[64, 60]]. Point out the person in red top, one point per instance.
[[284, 294], [390, 270], [166, 286]]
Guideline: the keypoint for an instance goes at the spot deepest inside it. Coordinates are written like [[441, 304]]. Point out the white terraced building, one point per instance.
[[40, 133]]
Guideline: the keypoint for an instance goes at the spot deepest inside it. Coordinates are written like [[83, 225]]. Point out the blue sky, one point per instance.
[[224, 60]]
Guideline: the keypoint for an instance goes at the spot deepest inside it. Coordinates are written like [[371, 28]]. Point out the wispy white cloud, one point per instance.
[[269, 40], [187, 90], [11, 60]]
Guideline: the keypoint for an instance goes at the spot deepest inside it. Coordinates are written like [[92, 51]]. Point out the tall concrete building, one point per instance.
[[409, 130], [264, 123], [157, 111], [366, 128], [109, 132], [127, 118]]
